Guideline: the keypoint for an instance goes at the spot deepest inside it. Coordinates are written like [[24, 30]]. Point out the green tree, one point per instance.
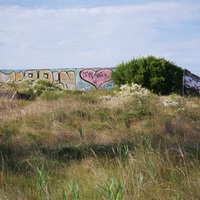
[[157, 74]]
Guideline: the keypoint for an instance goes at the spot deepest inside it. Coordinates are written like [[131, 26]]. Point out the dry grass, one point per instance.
[[78, 146]]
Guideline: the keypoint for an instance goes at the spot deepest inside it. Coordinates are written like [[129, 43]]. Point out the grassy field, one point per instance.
[[127, 144]]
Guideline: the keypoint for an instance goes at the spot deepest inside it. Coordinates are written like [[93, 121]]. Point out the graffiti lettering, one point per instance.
[[7, 77], [30, 75], [96, 78], [46, 75], [64, 79], [19, 76], [70, 79]]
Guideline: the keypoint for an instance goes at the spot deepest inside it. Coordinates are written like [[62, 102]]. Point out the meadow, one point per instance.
[[119, 144]]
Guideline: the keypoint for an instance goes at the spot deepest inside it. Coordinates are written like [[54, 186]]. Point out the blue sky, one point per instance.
[[91, 34]]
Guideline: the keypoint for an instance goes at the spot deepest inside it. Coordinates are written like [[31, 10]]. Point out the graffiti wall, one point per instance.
[[72, 79], [191, 83]]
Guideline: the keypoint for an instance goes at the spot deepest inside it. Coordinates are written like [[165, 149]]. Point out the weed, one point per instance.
[[40, 180], [73, 191], [112, 190], [81, 134], [64, 195], [42, 184], [123, 152]]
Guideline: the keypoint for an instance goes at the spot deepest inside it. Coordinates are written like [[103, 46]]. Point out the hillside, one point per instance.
[[117, 144]]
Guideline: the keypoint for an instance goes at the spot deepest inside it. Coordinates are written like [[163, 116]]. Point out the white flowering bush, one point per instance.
[[167, 102], [132, 91], [173, 104], [132, 98]]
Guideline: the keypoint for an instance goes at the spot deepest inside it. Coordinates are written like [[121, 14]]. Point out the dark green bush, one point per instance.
[[157, 74]]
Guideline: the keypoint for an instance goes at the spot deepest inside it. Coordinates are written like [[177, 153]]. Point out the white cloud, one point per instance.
[[99, 36]]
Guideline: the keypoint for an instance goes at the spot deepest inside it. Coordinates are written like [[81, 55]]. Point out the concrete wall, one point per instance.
[[67, 78]]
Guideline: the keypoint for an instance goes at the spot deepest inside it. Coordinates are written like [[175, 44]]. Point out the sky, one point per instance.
[[49, 34]]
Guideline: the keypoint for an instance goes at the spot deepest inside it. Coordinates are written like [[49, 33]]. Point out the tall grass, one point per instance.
[[100, 145]]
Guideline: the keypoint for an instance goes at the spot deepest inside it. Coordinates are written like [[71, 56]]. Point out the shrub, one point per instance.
[[30, 90], [40, 86], [126, 95], [157, 74]]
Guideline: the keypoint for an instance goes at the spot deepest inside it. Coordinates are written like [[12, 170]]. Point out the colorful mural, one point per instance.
[[84, 79], [191, 83], [80, 79], [96, 78]]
